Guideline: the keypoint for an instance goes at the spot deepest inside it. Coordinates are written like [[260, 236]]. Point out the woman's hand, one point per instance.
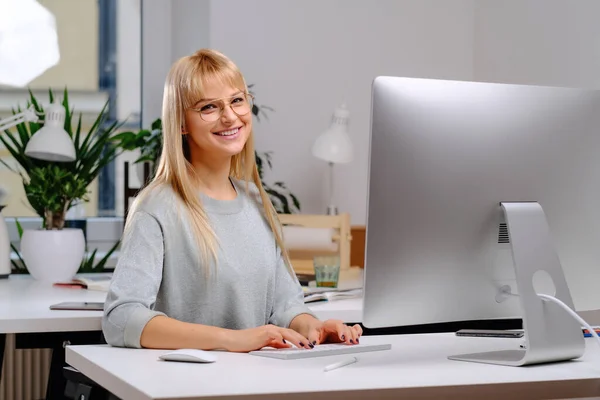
[[333, 331], [268, 335], [330, 331]]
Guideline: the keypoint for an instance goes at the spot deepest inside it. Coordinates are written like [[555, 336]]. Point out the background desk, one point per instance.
[[417, 366], [24, 307], [25, 312], [25, 302]]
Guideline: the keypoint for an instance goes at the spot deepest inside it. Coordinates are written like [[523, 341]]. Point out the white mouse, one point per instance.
[[189, 355]]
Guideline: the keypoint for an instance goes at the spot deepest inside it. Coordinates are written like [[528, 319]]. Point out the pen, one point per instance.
[[340, 364]]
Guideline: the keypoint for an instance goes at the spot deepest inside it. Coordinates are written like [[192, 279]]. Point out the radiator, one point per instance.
[[25, 372]]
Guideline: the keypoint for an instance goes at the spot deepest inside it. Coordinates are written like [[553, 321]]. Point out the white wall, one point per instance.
[[542, 42], [306, 57]]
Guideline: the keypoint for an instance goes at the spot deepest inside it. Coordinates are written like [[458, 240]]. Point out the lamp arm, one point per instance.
[[28, 115], [330, 184]]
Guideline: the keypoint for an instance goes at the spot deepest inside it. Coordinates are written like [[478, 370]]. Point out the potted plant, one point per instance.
[[54, 253]]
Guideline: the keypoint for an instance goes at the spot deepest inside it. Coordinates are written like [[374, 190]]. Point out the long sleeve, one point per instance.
[[133, 290], [289, 297]]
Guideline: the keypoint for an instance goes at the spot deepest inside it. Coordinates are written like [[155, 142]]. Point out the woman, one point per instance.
[[201, 264]]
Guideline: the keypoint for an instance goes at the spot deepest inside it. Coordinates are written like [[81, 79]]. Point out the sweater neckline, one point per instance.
[[232, 206]]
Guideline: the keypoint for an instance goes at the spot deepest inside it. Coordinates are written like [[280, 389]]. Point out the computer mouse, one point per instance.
[[189, 355]]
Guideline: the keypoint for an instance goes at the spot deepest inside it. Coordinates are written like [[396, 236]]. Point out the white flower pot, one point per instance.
[[53, 255]]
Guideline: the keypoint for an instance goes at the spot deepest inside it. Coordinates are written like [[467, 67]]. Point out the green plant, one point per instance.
[[149, 141], [87, 264], [52, 188], [21, 267]]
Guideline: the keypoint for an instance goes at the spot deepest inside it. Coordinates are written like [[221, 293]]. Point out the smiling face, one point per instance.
[[216, 136]]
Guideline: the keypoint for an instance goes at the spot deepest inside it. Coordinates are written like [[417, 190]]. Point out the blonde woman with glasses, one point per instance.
[[201, 263]]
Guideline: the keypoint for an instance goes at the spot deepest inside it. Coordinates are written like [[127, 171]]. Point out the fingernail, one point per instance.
[[284, 341], [351, 341], [311, 345], [343, 337], [356, 340], [301, 344], [314, 342]]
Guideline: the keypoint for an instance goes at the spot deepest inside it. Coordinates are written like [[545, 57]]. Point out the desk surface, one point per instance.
[[25, 302], [416, 366], [25, 307]]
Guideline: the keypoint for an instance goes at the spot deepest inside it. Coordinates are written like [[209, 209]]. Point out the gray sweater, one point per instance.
[[158, 271]]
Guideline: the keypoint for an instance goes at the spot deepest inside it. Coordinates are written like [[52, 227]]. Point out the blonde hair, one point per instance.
[[184, 86]]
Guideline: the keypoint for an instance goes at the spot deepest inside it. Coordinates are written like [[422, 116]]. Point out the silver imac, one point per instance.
[[480, 197]]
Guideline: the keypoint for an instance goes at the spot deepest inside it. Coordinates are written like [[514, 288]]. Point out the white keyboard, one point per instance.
[[320, 350]]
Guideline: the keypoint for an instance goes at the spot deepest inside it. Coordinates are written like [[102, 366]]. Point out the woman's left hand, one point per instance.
[[333, 331]]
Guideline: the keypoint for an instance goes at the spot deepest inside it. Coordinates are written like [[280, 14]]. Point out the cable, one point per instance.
[[506, 291], [573, 314]]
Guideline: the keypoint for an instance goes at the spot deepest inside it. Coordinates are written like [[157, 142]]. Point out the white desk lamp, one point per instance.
[[335, 147], [51, 142]]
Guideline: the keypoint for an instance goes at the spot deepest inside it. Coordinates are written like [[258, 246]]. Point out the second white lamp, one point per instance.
[[335, 147]]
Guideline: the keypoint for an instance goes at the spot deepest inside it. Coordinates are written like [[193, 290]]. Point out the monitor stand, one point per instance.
[[551, 334]]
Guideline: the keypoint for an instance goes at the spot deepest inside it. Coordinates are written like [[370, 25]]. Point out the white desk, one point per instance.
[[25, 302], [415, 367], [24, 311]]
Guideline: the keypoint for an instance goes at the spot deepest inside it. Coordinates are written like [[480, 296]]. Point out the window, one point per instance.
[[100, 46]]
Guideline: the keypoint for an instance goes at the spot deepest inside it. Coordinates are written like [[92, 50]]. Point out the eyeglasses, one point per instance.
[[211, 111]]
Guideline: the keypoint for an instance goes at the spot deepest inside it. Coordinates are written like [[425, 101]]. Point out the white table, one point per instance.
[[25, 302], [416, 366], [25, 311], [25, 307]]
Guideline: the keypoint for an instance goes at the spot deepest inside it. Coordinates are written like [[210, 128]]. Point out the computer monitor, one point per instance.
[[449, 162]]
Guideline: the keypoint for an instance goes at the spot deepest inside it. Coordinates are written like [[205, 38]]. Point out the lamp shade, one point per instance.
[[52, 142], [334, 145], [29, 42]]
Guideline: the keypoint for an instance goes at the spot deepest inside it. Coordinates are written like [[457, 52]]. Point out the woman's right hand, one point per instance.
[[246, 340]]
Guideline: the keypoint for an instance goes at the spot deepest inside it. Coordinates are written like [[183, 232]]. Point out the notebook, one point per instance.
[[326, 294], [92, 281]]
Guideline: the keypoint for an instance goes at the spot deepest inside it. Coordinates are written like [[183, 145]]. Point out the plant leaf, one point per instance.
[[21, 267]]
